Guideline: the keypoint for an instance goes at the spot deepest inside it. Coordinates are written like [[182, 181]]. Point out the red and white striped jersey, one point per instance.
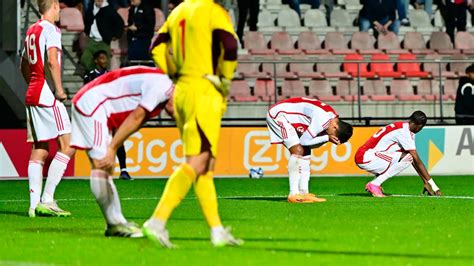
[[393, 137], [304, 114], [40, 37], [121, 91]]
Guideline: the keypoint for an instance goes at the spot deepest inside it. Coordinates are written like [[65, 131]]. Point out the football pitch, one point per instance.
[[351, 228]]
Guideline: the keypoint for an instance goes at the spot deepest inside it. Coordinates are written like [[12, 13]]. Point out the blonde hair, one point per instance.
[[45, 5]]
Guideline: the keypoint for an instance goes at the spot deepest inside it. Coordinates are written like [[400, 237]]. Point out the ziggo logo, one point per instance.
[[259, 152]]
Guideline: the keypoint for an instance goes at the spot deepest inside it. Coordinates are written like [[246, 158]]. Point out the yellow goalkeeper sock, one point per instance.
[[206, 193], [176, 189]]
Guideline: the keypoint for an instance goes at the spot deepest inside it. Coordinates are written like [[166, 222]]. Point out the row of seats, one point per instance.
[[345, 90], [407, 67], [361, 42]]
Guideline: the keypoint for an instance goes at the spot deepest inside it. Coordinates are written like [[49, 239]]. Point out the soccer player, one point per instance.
[[119, 101], [204, 57], [301, 124], [46, 114], [390, 151]]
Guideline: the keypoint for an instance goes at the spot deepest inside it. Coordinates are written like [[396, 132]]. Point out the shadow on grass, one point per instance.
[[363, 253], [258, 198], [367, 195], [15, 213], [256, 239]]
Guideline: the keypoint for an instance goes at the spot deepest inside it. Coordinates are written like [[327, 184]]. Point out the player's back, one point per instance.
[[120, 91], [301, 110], [191, 27], [40, 37]]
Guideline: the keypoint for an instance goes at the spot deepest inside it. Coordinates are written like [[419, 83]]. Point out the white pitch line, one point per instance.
[[248, 197]]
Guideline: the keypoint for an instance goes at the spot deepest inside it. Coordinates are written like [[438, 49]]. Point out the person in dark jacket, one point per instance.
[[380, 15], [102, 25], [141, 25], [464, 106], [455, 15], [250, 8]]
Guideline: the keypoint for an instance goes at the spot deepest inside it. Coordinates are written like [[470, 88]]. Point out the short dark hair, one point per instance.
[[470, 69], [98, 53], [344, 133], [418, 118]]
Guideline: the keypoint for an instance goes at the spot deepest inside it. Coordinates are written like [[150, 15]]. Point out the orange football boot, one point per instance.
[[313, 198], [298, 198]]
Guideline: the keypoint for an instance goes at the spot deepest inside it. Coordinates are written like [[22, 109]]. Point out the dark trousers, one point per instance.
[[251, 8], [138, 48], [455, 17]]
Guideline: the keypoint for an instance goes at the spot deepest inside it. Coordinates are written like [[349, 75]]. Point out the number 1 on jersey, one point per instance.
[[182, 25]]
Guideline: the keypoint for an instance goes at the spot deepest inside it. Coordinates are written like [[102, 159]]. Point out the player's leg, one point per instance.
[[38, 156], [122, 158], [305, 177], [400, 161]]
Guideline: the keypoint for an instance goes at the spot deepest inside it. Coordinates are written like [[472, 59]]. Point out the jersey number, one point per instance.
[[382, 130], [31, 49], [182, 25]]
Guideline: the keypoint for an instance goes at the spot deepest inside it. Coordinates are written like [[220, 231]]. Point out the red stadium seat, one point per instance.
[[330, 70], [441, 43], [348, 88], [363, 43], [264, 89], [410, 69], [465, 42], [309, 43], [415, 42], [255, 43], [70, 19], [240, 92], [389, 43], [159, 19], [336, 43], [282, 43], [376, 90], [293, 88], [352, 69], [304, 70], [123, 12], [281, 70], [251, 70], [321, 89], [403, 90], [383, 69]]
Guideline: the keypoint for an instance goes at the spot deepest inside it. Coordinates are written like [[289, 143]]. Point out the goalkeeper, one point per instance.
[[197, 47]]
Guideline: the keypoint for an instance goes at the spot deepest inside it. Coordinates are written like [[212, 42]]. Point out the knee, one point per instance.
[[297, 150]]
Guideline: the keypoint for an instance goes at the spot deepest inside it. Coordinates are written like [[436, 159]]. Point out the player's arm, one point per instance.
[[131, 124], [159, 51], [25, 68], [55, 67], [423, 173]]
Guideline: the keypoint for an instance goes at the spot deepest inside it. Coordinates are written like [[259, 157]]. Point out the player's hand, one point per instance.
[[220, 83], [133, 27], [438, 193], [427, 190], [108, 162], [334, 139], [61, 96]]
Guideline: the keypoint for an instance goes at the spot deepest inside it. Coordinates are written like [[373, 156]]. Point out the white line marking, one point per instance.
[[248, 197]]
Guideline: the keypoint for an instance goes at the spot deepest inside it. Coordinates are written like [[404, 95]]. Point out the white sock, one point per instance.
[[305, 174], [294, 173], [216, 230], [55, 173], [103, 188], [393, 170], [35, 180]]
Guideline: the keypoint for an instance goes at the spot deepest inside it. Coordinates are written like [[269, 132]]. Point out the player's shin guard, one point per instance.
[[176, 189], [305, 174], [55, 173], [206, 194], [35, 179], [294, 173], [105, 192], [393, 170]]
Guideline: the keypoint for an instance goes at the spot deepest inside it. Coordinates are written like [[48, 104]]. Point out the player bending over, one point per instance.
[[47, 118], [301, 124], [119, 101], [391, 150]]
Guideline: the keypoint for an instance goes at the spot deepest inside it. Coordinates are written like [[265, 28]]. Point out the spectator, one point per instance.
[[379, 15], [141, 26], [402, 10], [427, 6], [118, 3], [455, 15], [464, 106], [251, 8], [173, 4], [315, 4], [102, 25]]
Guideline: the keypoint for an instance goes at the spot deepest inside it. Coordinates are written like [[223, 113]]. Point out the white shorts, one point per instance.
[[377, 163], [47, 123], [282, 132], [91, 133]]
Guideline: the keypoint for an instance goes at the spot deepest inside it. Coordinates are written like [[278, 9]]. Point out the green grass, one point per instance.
[[350, 229]]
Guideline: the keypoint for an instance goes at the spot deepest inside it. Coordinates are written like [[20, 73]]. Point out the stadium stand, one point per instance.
[[363, 43], [71, 19], [322, 90]]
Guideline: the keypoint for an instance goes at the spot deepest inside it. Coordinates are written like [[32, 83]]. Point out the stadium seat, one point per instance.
[[420, 20], [465, 42], [264, 89], [240, 92], [429, 89], [309, 43], [336, 43], [441, 43], [376, 90], [266, 21], [363, 43], [120, 46], [70, 19], [415, 43], [251, 70], [282, 43], [459, 67], [433, 68], [351, 68], [403, 90], [321, 89], [352, 5], [123, 12], [438, 19], [451, 87], [281, 70], [293, 88], [330, 70], [410, 69], [289, 19], [389, 43], [383, 69], [341, 20], [305, 71], [316, 20], [255, 43], [347, 89], [159, 18]]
